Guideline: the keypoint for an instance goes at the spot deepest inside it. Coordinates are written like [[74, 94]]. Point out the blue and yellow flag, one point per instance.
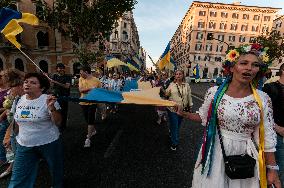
[[165, 59], [196, 72], [9, 23]]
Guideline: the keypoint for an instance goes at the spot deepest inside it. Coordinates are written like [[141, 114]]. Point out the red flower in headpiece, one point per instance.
[[256, 46]]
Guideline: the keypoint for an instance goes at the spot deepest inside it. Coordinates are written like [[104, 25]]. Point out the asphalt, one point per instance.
[[129, 150]]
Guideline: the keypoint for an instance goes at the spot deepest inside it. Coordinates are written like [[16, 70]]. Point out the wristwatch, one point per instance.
[[272, 167]]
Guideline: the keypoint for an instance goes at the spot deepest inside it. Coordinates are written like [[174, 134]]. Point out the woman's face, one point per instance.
[[32, 86], [179, 75], [245, 70]]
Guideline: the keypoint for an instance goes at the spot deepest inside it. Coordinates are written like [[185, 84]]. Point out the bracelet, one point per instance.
[[272, 167]]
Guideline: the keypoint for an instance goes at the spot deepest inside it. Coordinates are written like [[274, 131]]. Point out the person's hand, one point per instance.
[[279, 130], [45, 74], [273, 179], [179, 110], [50, 102], [7, 144]]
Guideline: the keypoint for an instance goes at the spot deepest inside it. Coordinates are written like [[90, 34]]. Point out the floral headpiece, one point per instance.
[[257, 49]]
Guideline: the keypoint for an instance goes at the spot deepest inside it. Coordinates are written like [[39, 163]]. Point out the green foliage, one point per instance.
[[7, 3], [275, 42], [84, 23]]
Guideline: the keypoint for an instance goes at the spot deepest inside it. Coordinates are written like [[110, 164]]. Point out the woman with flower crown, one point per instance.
[[238, 117]]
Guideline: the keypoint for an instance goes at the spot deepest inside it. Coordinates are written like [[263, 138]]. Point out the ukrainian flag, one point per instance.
[[165, 59], [9, 23], [196, 72]]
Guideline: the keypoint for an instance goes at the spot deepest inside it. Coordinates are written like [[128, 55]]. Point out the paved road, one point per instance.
[[130, 150]]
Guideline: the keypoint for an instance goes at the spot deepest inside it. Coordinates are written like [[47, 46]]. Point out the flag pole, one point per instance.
[[31, 60]]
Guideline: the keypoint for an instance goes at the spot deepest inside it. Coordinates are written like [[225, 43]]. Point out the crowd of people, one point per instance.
[[239, 121]]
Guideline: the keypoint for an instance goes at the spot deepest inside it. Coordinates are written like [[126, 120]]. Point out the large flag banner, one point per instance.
[[9, 23]]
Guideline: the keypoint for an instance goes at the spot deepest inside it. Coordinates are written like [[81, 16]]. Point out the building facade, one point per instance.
[[47, 47], [124, 41], [230, 24], [278, 25]]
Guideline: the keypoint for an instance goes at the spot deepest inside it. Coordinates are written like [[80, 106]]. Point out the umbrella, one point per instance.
[[114, 62]]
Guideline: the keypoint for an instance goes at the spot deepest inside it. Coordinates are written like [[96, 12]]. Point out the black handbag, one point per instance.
[[237, 166]]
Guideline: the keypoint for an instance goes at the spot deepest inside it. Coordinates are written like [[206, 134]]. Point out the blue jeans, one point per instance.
[[26, 164], [175, 123], [280, 157], [3, 128]]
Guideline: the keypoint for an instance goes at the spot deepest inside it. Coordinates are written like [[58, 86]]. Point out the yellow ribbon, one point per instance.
[[261, 157]]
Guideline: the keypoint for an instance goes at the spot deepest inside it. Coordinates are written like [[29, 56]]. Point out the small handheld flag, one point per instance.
[[9, 23]]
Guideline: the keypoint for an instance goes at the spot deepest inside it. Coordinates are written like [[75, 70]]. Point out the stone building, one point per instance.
[[278, 24], [47, 47], [234, 24], [124, 41]]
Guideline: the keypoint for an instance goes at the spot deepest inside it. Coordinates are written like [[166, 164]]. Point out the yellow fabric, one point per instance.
[[261, 157], [146, 97], [114, 62], [144, 85], [13, 28], [164, 61], [88, 84]]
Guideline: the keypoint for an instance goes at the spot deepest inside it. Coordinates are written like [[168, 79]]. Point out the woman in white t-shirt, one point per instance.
[[38, 117]]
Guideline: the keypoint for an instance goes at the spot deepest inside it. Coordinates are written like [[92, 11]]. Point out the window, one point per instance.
[[223, 26], [266, 18], [208, 47], [245, 16], [242, 39], [265, 29], [256, 17], [213, 14], [224, 14], [254, 28], [125, 25], [252, 39], [244, 27], [232, 38], [19, 64], [201, 24], [198, 46], [124, 35], [42, 39], [235, 15], [221, 37], [219, 48], [212, 25], [1, 65], [199, 36], [202, 13], [218, 59], [43, 66], [234, 27]]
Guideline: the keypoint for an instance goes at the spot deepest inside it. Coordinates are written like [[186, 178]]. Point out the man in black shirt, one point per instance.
[[61, 87], [275, 90]]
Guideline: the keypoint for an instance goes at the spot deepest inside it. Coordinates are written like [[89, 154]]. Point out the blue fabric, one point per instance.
[[27, 160], [130, 84], [6, 15], [3, 128], [103, 95], [175, 123], [280, 157], [167, 50]]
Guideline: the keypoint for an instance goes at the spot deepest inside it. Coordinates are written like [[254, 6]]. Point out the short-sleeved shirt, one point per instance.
[[92, 82], [59, 90], [36, 127]]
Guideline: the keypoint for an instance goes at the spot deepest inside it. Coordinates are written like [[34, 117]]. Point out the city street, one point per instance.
[[129, 150]]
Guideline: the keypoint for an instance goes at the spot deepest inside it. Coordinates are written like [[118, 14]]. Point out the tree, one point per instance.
[[7, 3], [274, 41], [84, 21]]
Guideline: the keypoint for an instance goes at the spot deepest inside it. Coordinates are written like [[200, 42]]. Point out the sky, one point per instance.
[[157, 20]]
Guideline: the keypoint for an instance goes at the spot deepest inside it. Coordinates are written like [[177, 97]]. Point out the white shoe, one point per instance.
[[87, 143]]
